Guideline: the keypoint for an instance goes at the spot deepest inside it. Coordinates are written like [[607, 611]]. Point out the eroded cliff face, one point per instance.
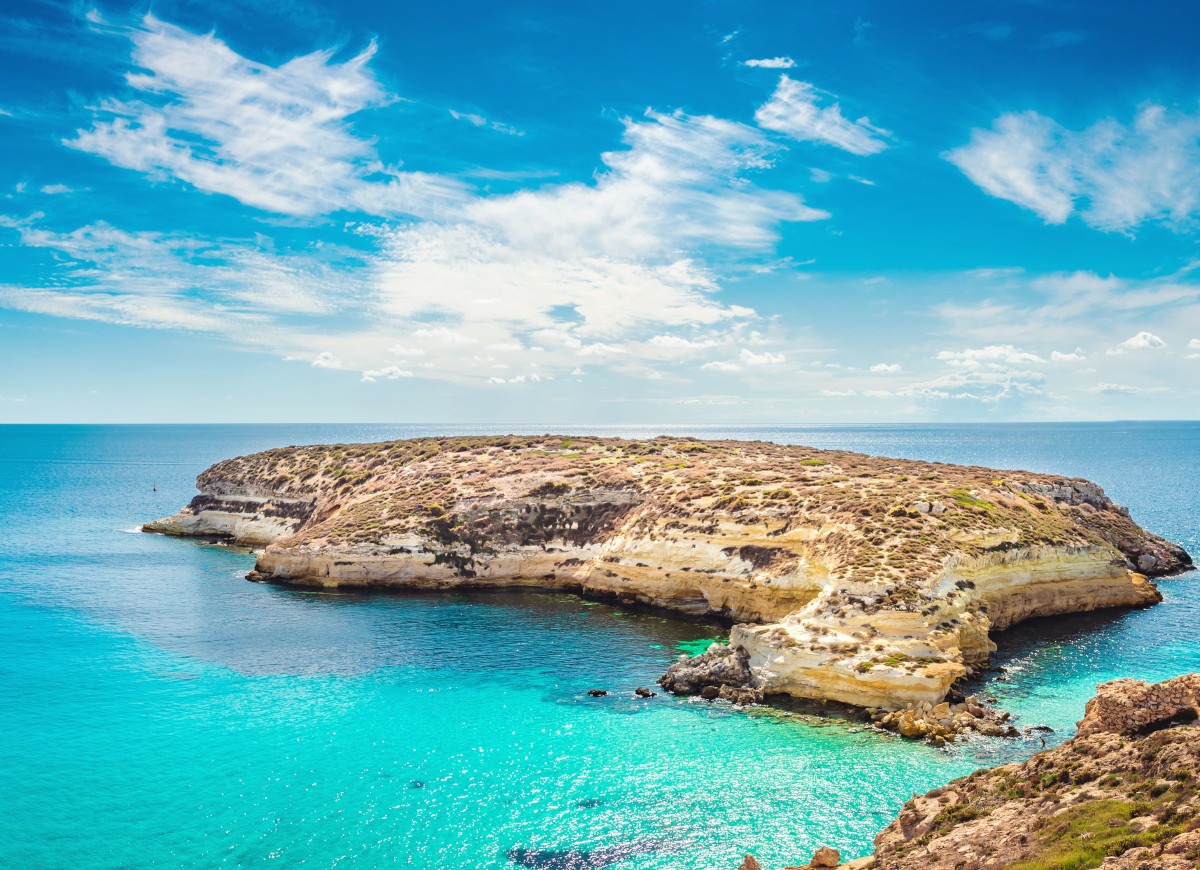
[[870, 581]]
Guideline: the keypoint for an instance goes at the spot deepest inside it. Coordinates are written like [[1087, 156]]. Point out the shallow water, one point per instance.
[[161, 711]]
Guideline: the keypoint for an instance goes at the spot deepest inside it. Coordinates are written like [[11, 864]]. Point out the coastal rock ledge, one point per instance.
[[1123, 794], [859, 579]]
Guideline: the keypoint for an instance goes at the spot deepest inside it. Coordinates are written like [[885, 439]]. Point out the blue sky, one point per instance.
[[788, 212]]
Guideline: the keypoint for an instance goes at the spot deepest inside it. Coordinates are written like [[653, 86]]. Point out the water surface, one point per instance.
[[161, 711]]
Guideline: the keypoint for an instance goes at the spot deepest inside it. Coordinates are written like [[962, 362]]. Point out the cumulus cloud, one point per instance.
[[886, 368], [794, 110], [276, 138], [771, 62], [1115, 176], [1141, 341]]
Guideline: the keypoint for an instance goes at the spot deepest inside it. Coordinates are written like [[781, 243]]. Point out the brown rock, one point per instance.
[[750, 864], [826, 857]]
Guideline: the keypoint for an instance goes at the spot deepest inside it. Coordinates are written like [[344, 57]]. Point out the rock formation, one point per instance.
[[1124, 793], [864, 580]]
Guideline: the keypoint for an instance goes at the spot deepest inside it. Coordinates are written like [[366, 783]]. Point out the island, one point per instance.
[[869, 581]]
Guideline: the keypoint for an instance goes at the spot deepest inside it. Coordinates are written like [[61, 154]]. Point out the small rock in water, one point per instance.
[[750, 864], [588, 803], [642, 692], [597, 693], [416, 783]]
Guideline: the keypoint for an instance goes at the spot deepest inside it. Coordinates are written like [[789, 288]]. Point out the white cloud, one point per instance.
[[622, 252], [276, 138], [1113, 388], [389, 372], [771, 62], [794, 111], [1005, 353], [719, 366], [53, 189], [1194, 344], [477, 120], [886, 368], [766, 358], [1141, 341], [837, 393], [1058, 356], [678, 342], [1115, 176]]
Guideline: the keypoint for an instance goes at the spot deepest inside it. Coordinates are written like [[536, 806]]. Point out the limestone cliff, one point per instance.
[[864, 580]]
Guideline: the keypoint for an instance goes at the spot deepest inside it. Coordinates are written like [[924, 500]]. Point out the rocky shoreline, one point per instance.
[[1122, 794], [868, 581]]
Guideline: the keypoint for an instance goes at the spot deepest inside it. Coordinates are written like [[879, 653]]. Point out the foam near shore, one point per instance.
[[870, 581]]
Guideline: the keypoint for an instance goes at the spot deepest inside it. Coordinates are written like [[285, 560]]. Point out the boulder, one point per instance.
[[749, 864], [597, 693], [826, 857]]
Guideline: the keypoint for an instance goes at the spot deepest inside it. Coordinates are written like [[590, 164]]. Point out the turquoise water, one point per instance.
[[158, 710]]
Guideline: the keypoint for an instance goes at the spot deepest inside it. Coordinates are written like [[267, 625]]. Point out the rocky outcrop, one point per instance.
[[721, 672], [1124, 793], [941, 723], [244, 519], [870, 581], [1113, 795], [1135, 706]]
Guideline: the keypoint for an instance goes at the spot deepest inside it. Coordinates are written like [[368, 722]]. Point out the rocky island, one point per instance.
[[869, 581]]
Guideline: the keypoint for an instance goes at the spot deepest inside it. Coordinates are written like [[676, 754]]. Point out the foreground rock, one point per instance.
[[1123, 794], [869, 581]]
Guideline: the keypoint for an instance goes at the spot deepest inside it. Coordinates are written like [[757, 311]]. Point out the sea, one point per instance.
[[157, 710]]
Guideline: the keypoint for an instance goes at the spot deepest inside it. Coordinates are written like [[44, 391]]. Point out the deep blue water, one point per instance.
[[158, 710]]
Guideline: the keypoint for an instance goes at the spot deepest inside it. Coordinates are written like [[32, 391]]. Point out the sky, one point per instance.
[[679, 212]]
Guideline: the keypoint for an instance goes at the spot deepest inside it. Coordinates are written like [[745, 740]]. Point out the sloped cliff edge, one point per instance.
[[864, 580]]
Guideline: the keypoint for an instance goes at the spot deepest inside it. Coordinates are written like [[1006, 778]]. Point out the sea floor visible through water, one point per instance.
[[160, 711]]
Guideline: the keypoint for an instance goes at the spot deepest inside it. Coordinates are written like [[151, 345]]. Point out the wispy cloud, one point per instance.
[[794, 110], [622, 272], [771, 62], [1115, 176], [276, 138], [477, 120]]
